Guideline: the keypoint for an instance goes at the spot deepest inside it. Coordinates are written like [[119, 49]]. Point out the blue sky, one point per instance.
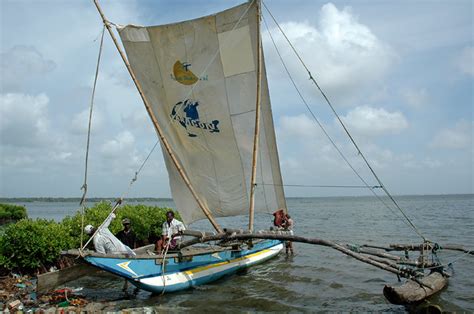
[[400, 74]]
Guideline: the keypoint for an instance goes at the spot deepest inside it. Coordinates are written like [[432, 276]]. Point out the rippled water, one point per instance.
[[317, 278]]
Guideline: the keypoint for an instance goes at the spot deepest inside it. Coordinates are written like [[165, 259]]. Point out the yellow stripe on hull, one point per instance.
[[199, 269]]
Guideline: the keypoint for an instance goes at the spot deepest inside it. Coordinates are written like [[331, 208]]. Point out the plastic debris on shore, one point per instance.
[[18, 293]]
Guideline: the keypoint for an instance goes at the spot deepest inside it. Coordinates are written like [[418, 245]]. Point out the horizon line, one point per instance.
[[170, 198]]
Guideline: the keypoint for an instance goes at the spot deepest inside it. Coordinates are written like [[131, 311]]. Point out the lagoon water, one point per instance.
[[316, 278]]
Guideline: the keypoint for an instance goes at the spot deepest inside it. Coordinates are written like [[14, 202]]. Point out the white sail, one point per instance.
[[200, 78]]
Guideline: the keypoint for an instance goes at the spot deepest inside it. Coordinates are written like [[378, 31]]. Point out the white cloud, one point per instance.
[[342, 53], [16, 161], [457, 137], [374, 121], [22, 63], [139, 121], [30, 145], [416, 98], [465, 61], [122, 143], [379, 94], [298, 126], [120, 155], [379, 157], [432, 163], [24, 119], [80, 122], [60, 156]]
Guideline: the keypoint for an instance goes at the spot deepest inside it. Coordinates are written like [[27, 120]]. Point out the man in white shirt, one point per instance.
[[105, 242], [171, 231]]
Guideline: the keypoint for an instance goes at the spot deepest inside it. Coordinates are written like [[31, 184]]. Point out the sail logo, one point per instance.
[[182, 74], [187, 115]]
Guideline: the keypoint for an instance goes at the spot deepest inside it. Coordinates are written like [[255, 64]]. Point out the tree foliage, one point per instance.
[[29, 244], [11, 211]]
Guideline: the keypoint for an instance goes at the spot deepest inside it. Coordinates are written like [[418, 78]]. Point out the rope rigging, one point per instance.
[[84, 186], [333, 143], [124, 195], [91, 108], [343, 126]]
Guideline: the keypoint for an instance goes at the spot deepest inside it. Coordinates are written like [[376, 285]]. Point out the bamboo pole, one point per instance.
[[155, 123], [398, 260], [379, 254], [257, 122], [383, 261], [286, 237], [459, 248]]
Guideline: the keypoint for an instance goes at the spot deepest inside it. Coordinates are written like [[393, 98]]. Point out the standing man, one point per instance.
[[171, 231], [127, 236], [288, 225]]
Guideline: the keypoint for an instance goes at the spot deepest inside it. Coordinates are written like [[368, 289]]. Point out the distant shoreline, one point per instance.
[[78, 199], [153, 199]]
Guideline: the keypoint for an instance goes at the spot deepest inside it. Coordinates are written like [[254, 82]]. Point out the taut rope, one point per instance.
[[84, 185]]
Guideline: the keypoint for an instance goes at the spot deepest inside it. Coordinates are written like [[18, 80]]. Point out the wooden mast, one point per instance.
[[257, 122], [156, 125]]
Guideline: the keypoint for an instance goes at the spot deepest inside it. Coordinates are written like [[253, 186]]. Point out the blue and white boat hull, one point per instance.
[[146, 273]]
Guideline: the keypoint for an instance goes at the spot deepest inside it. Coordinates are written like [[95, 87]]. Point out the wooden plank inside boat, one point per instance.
[[413, 292]]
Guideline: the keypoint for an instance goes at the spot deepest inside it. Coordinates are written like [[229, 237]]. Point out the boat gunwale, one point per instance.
[[173, 254]]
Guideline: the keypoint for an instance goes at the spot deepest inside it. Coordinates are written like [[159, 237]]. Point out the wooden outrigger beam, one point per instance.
[[158, 129], [400, 271]]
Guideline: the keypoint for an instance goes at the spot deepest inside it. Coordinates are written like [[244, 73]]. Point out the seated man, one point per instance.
[[105, 242], [171, 230]]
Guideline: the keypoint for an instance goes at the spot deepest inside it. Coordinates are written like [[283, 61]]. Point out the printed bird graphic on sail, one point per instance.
[[189, 117], [183, 74]]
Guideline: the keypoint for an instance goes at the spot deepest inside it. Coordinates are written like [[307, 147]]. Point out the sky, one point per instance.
[[399, 73]]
